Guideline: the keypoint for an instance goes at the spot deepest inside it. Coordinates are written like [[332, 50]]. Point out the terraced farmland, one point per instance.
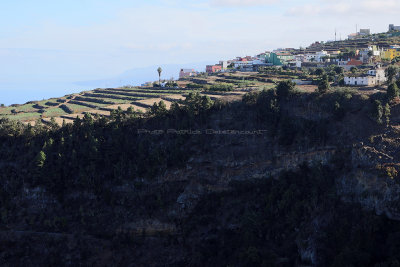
[[102, 101], [98, 101]]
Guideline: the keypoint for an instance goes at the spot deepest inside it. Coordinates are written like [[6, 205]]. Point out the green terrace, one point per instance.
[[32, 116], [106, 98], [102, 101], [131, 92]]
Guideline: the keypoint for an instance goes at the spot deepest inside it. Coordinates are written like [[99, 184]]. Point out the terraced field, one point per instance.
[[98, 101], [102, 101]]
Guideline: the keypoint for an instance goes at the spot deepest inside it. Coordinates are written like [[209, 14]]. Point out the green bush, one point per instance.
[[194, 86], [221, 87]]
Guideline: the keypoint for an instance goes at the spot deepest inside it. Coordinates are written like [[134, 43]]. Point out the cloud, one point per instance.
[[134, 39], [305, 10], [177, 33], [375, 8], [321, 9], [236, 3], [388, 6]]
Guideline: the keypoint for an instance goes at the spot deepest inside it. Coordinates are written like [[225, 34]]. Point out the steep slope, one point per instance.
[[273, 180]]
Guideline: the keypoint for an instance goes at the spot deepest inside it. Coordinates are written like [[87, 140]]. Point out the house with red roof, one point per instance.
[[352, 63]]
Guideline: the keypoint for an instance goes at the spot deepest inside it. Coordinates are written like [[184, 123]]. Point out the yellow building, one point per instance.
[[391, 53]]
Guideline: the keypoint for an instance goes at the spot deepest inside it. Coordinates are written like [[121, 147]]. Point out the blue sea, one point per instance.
[[22, 92]]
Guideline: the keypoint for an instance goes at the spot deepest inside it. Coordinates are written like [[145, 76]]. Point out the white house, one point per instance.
[[309, 57], [241, 64], [224, 64], [364, 80], [379, 74], [372, 77], [375, 51], [299, 59], [394, 28], [316, 57], [295, 63]]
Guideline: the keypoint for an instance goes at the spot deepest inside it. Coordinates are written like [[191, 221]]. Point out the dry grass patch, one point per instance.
[[307, 88], [126, 106], [214, 96], [32, 123], [151, 101], [99, 112], [73, 116], [175, 97], [122, 106], [59, 120]]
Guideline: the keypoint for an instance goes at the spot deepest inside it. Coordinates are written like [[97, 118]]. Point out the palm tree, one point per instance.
[[159, 70]]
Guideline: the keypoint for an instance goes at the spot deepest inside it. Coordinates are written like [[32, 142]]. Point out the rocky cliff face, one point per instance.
[[372, 181]]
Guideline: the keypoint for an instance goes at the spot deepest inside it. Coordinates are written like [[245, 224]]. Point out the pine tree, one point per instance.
[[285, 89], [323, 86], [386, 114], [391, 73], [392, 91], [206, 102], [377, 111], [40, 159]]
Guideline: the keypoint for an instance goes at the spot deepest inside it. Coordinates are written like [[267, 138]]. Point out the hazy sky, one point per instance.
[[92, 39]]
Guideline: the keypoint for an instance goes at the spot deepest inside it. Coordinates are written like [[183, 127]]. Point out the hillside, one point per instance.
[[102, 102], [282, 177], [382, 40]]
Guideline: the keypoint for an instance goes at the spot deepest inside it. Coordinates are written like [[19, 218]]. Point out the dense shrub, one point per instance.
[[285, 89], [221, 87], [194, 86], [323, 85], [67, 109]]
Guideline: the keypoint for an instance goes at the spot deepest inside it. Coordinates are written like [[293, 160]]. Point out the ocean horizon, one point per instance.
[[39, 88], [20, 92]]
